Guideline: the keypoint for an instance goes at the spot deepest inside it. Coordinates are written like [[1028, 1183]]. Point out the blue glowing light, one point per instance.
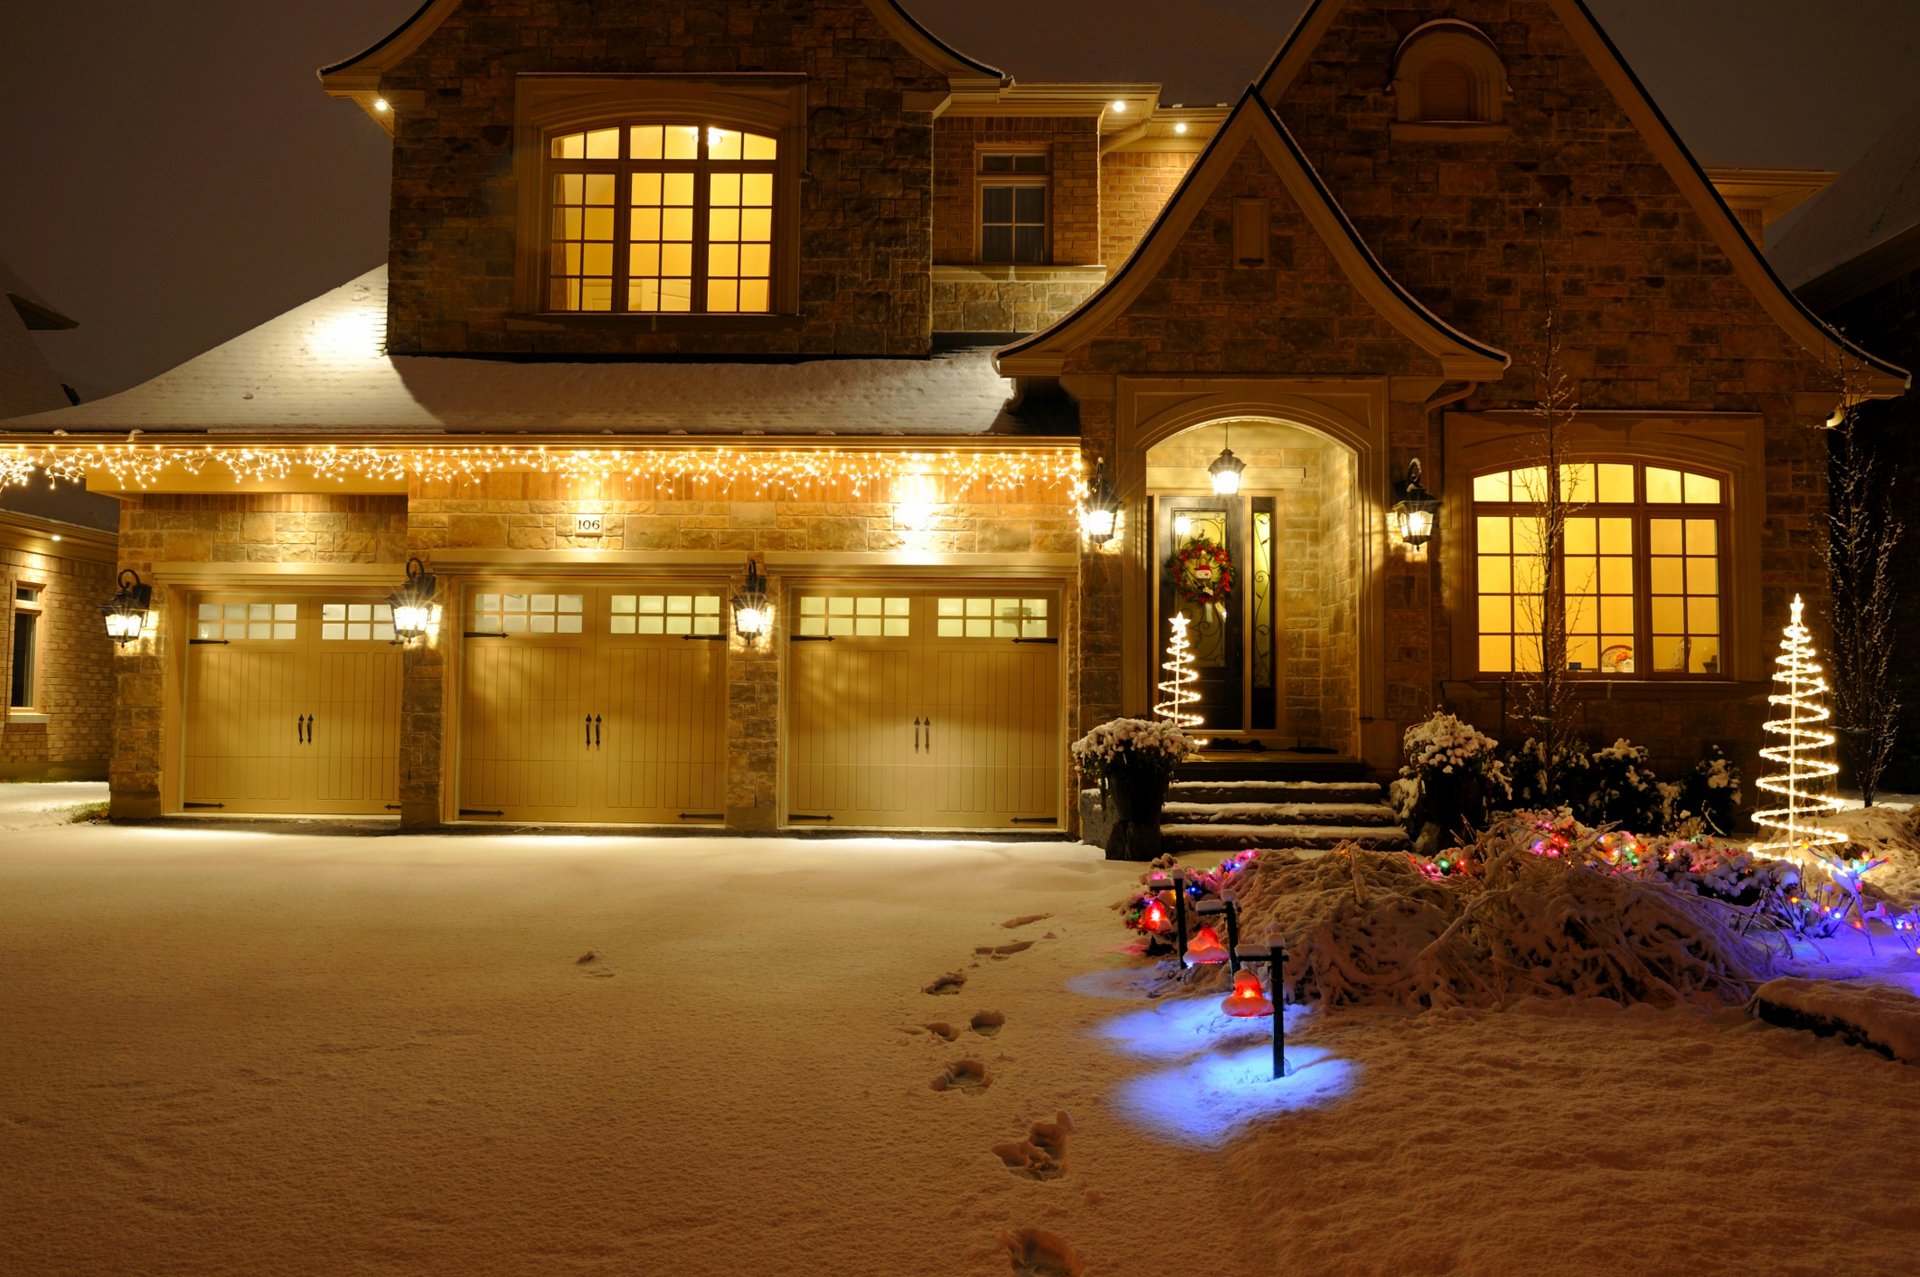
[[1180, 1027], [1205, 1102]]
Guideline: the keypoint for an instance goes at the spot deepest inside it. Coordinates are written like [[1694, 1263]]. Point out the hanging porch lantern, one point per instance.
[[753, 607], [126, 612], [1100, 516], [412, 604], [1417, 511]]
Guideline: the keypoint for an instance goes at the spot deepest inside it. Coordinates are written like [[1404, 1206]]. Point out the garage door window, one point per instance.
[[993, 618], [529, 613], [858, 616], [682, 614], [356, 622], [275, 622]]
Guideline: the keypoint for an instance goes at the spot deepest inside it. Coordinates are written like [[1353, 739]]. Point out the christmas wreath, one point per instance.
[[1203, 572]]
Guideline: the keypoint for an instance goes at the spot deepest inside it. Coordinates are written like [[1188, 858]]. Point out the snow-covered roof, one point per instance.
[[321, 369], [1861, 215]]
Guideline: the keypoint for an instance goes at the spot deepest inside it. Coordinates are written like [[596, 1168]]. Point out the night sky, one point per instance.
[[171, 175]]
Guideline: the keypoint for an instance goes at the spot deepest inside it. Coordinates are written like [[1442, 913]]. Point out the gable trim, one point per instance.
[[1882, 379], [1461, 357]]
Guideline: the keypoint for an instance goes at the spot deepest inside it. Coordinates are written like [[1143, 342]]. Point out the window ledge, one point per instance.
[[26, 716], [677, 323], [992, 273], [1434, 131], [1696, 687]]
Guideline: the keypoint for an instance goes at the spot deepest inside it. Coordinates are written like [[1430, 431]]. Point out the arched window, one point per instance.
[[1643, 590], [1448, 73], [653, 217]]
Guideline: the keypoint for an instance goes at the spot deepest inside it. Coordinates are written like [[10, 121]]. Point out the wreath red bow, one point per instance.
[[1203, 572]]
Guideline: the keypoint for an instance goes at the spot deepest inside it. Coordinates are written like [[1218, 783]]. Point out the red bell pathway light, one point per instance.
[[1154, 917], [1249, 998], [1205, 948], [1250, 1001]]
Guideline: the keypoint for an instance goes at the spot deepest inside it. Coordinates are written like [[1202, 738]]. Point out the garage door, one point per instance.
[[292, 705], [924, 710], [602, 705]]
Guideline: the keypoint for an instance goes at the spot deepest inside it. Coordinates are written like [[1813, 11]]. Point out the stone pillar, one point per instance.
[[753, 722], [423, 696], [140, 714]]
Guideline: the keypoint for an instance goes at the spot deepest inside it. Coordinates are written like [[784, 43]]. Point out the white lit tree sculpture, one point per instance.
[[1804, 752], [1181, 676]]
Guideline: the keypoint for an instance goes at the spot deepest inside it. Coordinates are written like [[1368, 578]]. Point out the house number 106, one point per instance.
[[589, 525]]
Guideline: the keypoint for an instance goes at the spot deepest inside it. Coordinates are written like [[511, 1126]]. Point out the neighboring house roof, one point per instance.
[[28, 384], [1788, 311], [1865, 230], [1253, 121], [34, 310], [321, 370], [358, 77]]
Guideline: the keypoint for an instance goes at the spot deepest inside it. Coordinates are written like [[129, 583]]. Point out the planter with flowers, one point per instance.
[[1132, 762]]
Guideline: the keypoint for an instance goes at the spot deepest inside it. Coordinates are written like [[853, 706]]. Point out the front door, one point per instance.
[[1235, 638]]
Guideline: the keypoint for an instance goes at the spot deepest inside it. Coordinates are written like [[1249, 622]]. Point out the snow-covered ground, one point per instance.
[[24, 805], [238, 1052]]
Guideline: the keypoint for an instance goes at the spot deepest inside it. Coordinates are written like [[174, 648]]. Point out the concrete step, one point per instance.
[[1186, 813], [1273, 791], [1211, 838]]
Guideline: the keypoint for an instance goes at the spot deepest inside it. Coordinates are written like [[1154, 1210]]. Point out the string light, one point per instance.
[[1804, 696], [1181, 676], [1053, 473]]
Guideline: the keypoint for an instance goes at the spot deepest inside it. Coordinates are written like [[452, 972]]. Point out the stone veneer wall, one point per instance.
[[1005, 300], [1339, 603], [74, 679], [1134, 187], [1648, 306], [1074, 186], [866, 208], [158, 529], [535, 512]]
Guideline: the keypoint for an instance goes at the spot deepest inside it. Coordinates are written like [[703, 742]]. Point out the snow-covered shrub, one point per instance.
[[1122, 744], [1451, 778], [1703, 802], [1621, 789], [1534, 787]]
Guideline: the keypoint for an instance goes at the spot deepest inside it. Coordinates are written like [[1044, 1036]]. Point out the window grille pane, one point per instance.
[[1492, 487]]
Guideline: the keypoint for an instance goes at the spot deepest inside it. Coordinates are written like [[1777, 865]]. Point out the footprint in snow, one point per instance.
[[1024, 920], [1034, 1252], [942, 1030], [963, 1075], [951, 982], [999, 952], [1043, 1154], [591, 963], [987, 1023]]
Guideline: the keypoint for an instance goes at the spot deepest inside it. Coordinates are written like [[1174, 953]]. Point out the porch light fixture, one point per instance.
[[1226, 471], [1100, 516], [412, 604], [753, 607], [1415, 512], [126, 611]]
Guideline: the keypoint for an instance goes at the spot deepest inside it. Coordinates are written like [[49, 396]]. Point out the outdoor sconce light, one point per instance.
[[753, 607], [1414, 514], [412, 604], [1100, 517], [1226, 471], [126, 611]]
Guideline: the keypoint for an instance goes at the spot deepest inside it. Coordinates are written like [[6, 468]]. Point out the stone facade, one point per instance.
[[985, 299], [67, 735]]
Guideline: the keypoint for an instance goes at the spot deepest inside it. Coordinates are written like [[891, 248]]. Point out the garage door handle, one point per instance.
[[916, 735], [300, 729], [596, 731], [929, 735], [309, 729], [589, 725]]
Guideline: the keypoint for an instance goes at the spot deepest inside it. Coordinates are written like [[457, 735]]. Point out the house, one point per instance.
[[1854, 259], [700, 316], [57, 562]]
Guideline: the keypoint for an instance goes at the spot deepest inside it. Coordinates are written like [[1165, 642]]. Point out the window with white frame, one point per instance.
[[1014, 194]]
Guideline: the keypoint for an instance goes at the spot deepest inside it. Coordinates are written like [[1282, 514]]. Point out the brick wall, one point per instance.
[[1073, 200], [866, 206], [1134, 187], [73, 680]]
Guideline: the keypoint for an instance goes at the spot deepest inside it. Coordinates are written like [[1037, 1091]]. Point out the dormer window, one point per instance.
[[661, 217], [1448, 83]]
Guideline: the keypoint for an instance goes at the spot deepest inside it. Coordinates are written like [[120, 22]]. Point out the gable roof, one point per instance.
[[358, 77], [1883, 379], [1866, 229], [321, 370], [1254, 122], [34, 310]]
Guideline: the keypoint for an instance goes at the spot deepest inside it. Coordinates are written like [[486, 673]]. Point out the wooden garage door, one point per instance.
[[292, 706], [924, 710], [594, 705]]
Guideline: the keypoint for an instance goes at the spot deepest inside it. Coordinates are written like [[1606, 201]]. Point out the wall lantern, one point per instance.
[[126, 611], [412, 604], [753, 607], [1226, 471], [1100, 516], [1416, 510]]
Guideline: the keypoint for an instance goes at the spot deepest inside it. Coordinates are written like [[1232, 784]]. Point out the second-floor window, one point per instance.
[[1013, 207], [661, 218]]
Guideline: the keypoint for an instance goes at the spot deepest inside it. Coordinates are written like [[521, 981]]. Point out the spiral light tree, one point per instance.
[[1817, 850], [1181, 676]]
